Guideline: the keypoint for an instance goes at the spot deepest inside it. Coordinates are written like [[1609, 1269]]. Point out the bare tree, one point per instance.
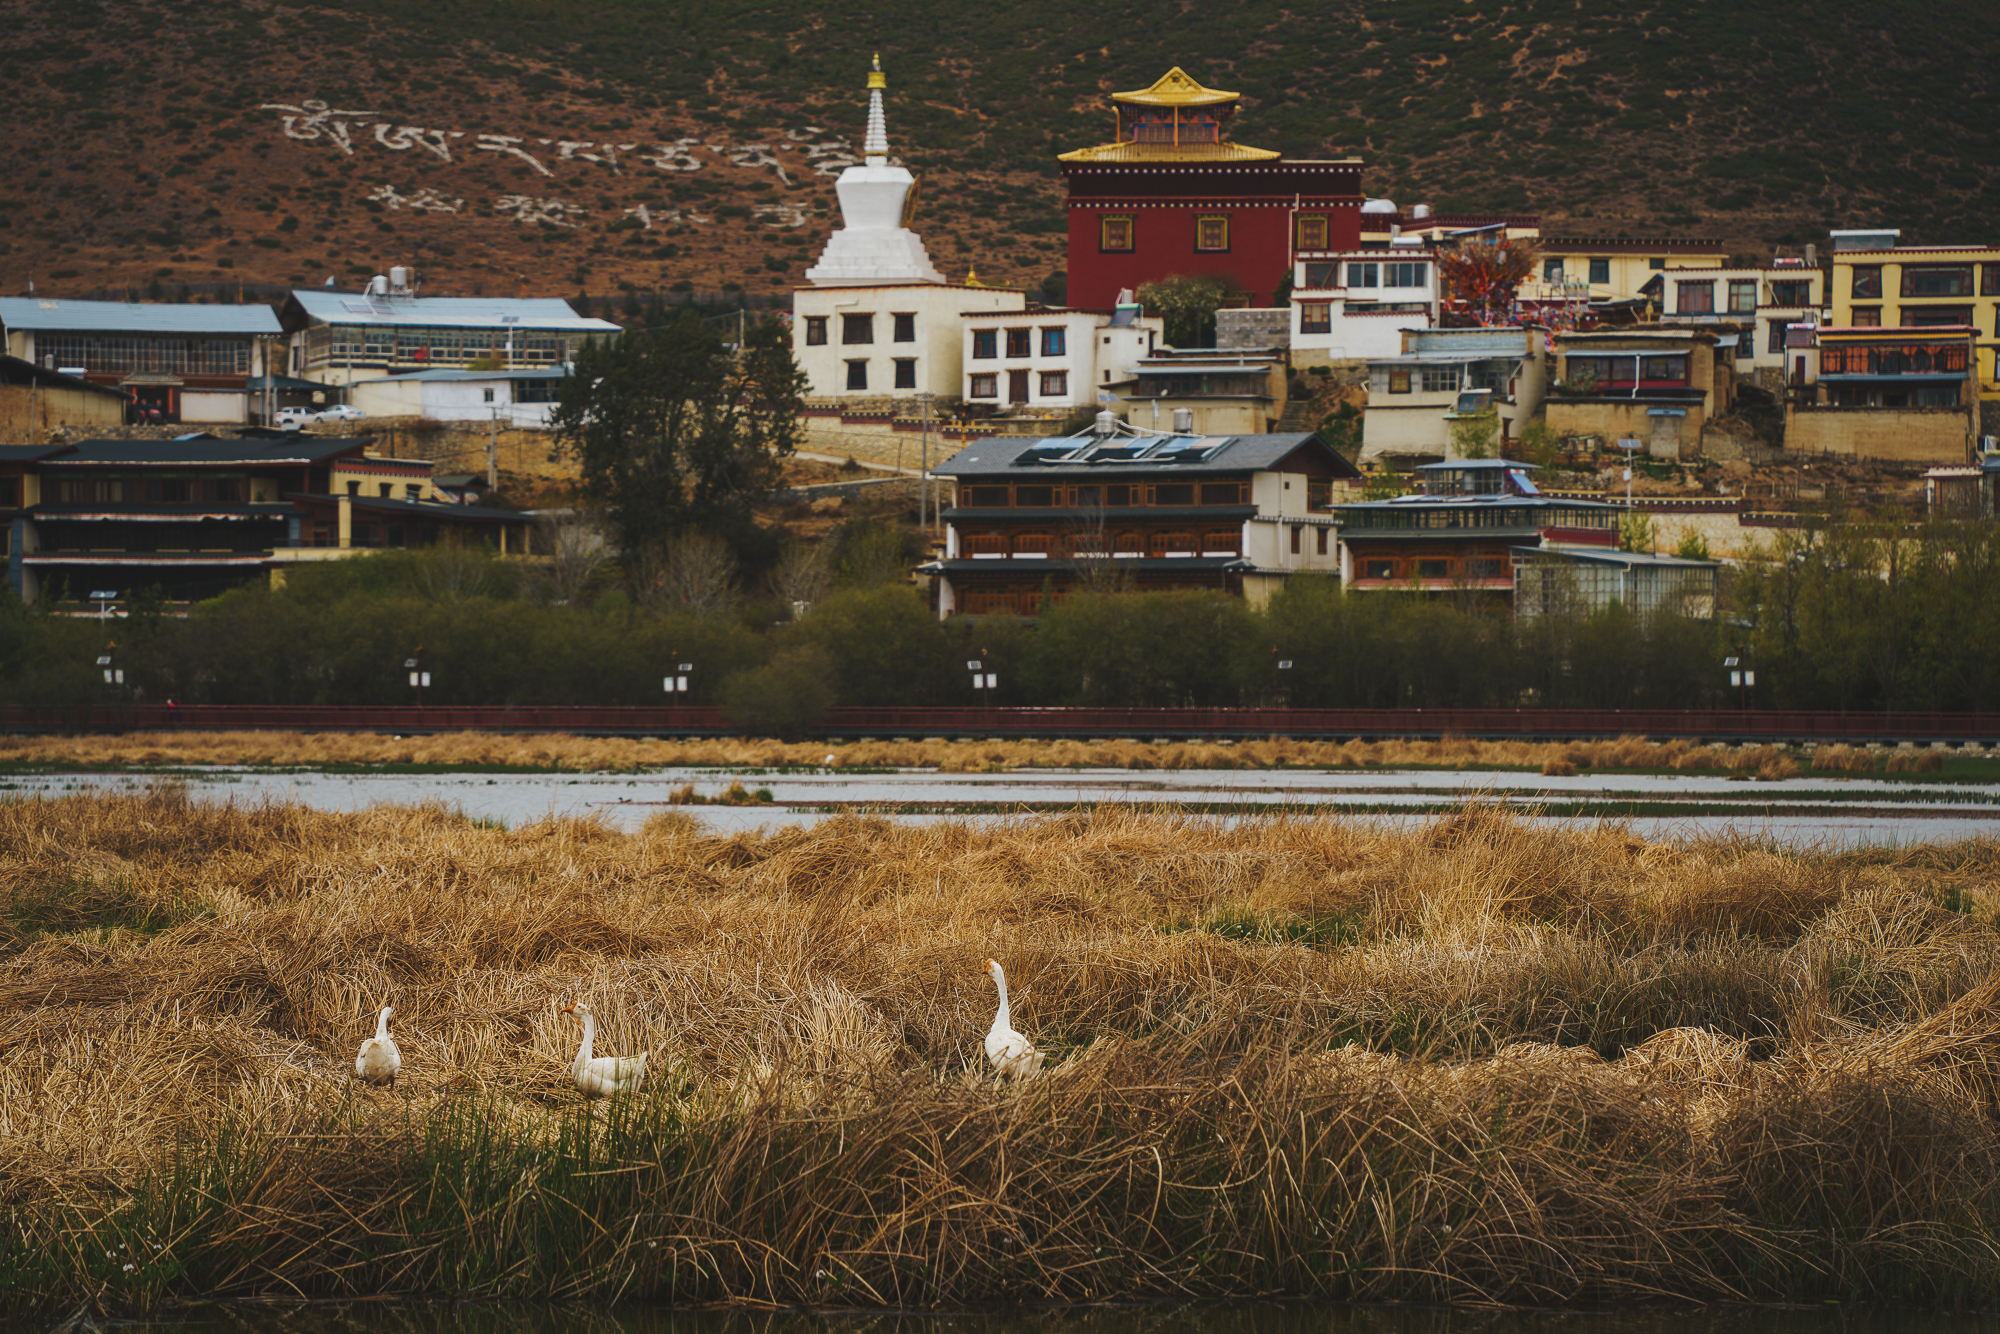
[[801, 577], [1098, 569], [691, 575], [574, 545], [454, 570]]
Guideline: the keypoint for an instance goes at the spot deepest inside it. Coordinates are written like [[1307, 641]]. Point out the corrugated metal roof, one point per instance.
[[998, 455], [51, 315], [464, 311], [298, 449], [437, 376]]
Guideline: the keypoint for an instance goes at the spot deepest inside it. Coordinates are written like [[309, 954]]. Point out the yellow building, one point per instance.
[[1622, 268], [1923, 287]]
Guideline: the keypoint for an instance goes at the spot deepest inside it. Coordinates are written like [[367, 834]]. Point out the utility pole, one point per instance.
[[493, 451], [925, 509]]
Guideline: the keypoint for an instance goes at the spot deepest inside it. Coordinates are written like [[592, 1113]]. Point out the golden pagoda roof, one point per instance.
[[1176, 89], [1134, 152]]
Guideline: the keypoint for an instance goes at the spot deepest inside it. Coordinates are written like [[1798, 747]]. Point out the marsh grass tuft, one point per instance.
[[1473, 1059]]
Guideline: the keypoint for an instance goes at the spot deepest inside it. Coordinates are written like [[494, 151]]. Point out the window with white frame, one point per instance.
[[1441, 379], [1404, 275]]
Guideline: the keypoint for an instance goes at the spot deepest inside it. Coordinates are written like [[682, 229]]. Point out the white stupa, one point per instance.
[[873, 247]]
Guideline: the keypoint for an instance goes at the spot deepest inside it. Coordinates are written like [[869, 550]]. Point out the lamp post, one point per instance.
[[677, 684], [924, 507], [114, 675], [419, 678], [1278, 664], [103, 597]]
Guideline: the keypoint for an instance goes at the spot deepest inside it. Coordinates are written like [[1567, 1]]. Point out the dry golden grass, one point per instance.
[[1467, 1060], [951, 756]]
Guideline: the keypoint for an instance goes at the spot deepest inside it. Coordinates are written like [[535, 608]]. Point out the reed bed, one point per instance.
[[1464, 1060], [589, 754]]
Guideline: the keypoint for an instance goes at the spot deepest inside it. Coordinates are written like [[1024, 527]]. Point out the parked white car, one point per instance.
[[341, 412], [291, 419]]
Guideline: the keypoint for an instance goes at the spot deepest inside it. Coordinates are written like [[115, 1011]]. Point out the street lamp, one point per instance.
[[103, 597], [1278, 664], [678, 683], [419, 678]]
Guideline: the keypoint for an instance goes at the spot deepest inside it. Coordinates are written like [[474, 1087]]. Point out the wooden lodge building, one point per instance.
[[1040, 518], [195, 517], [1463, 530]]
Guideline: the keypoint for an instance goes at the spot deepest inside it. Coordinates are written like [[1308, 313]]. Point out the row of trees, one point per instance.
[[339, 634], [1838, 615]]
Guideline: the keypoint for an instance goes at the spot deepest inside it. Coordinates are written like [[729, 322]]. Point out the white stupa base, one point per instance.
[[872, 256]]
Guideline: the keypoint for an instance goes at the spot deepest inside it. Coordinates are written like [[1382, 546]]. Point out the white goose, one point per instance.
[[1013, 1056], [602, 1076], [380, 1059]]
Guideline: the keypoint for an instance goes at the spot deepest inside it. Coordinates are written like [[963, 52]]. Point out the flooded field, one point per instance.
[[1826, 811]]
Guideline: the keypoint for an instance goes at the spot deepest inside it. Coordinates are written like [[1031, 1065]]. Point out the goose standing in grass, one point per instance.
[[1013, 1056], [380, 1060], [602, 1076]]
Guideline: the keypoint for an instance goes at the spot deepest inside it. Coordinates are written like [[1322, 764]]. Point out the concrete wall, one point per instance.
[[937, 346], [213, 406], [28, 414], [1666, 437], [1901, 435]]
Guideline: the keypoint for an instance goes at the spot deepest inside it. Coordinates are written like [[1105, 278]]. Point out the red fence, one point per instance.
[[1144, 724]]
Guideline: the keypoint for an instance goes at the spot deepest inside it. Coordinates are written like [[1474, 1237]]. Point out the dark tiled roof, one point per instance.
[[297, 449], [1013, 456]]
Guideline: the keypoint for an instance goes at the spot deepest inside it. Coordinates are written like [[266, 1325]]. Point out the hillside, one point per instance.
[[653, 144]]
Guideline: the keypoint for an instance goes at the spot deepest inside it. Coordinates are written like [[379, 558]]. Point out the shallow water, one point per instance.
[[1798, 812], [1246, 1318]]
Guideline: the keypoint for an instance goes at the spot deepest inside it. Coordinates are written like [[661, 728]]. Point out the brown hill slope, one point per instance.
[[502, 144]]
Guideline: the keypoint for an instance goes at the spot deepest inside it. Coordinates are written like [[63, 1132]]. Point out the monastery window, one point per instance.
[[857, 328], [1362, 275], [1694, 298], [1937, 280], [1399, 382], [1114, 233], [1174, 493], [1295, 539], [1776, 341], [1792, 293], [1084, 497], [986, 497], [1319, 538], [1600, 270], [1486, 567], [857, 375], [1018, 343], [905, 330], [10, 493], [1118, 495], [1867, 282], [1054, 343], [413, 492], [1222, 493], [1552, 270], [1918, 316], [985, 344], [1656, 264], [1989, 280], [487, 395], [1378, 569], [1742, 295], [1034, 497], [1055, 384], [1434, 569], [984, 544], [983, 386], [1442, 379], [1211, 232], [1311, 231], [1867, 317], [1322, 273], [815, 331], [1404, 275], [1089, 544], [1222, 542], [906, 373], [1315, 317], [1032, 544], [1172, 544]]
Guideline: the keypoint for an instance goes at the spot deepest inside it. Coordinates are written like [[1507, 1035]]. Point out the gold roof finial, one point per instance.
[[972, 276], [876, 78]]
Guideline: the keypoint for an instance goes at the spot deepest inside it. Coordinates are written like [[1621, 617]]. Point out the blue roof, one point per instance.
[[480, 312], [48, 313]]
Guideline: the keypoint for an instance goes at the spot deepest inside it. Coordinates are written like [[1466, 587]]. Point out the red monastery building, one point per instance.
[[1173, 195]]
